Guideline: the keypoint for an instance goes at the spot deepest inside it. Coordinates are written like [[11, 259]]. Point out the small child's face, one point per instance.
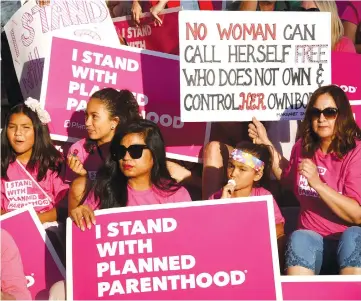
[[243, 174], [20, 133]]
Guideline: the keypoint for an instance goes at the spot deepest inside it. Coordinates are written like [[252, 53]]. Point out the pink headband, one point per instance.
[[246, 158]]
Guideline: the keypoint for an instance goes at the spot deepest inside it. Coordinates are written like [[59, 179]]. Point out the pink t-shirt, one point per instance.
[[343, 175], [257, 191], [13, 279], [345, 44], [147, 197], [22, 189], [341, 6], [352, 12], [91, 161]]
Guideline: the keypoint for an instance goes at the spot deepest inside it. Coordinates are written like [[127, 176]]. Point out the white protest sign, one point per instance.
[[235, 65], [30, 30]]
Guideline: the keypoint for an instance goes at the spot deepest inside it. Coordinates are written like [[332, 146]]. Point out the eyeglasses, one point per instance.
[[329, 113], [135, 151]]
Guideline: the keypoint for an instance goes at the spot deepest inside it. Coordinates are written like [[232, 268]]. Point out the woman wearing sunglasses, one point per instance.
[[324, 173], [134, 174]]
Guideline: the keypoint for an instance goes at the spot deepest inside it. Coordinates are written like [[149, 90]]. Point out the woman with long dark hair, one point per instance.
[[324, 173], [134, 174]]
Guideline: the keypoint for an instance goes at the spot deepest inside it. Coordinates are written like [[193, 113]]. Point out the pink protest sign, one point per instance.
[[188, 251], [321, 288], [42, 265], [346, 73], [356, 109], [152, 77], [148, 36]]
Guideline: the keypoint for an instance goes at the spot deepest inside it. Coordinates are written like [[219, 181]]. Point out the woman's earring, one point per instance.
[[112, 127]]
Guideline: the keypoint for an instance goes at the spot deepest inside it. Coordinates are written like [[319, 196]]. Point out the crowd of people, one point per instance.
[[346, 24], [122, 162]]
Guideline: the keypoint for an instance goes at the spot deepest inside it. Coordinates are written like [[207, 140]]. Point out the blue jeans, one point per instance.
[[310, 250]]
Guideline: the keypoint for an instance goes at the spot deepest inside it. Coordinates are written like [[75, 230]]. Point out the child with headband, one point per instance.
[[248, 174], [31, 167]]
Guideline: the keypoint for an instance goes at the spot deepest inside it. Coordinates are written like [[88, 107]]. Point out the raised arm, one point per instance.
[[257, 132]]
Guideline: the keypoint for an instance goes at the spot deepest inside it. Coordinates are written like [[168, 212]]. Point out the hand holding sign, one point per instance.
[[149, 35], [156, 9], [257, 132], [136, 12], [83, 213]]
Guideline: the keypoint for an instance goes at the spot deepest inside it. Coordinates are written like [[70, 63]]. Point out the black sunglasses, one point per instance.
[[309, 9], [135, 151], [329, 113]]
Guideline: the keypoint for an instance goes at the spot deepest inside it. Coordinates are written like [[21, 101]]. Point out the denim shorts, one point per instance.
[[310, 250]]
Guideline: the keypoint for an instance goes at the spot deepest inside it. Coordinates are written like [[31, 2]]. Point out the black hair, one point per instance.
[[110, 185], [44, 155], [121, 104]]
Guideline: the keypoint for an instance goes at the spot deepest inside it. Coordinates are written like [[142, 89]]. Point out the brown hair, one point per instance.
[[346, 129]]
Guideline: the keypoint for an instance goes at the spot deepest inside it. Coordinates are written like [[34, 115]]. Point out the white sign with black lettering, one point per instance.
[[31, 28], [235, 65]]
